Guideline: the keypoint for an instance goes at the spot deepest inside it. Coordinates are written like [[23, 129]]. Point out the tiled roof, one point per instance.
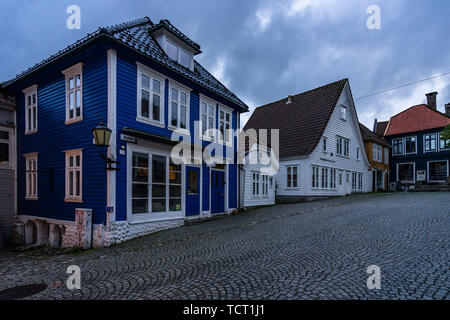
[[136, 35], [368, 135], [169, 26], [416, 118], [381, 128], [302, 122]]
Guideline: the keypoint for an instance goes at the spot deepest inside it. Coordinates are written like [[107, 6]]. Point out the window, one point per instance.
[[150, 97], [324, 178], [358, 156], [179, 55], [5, 154], [31, 169], [343, 112], [333, 178], [156, 184], [207, 119], [437, 171], [225, 125], [397, 146], [315, 177], [386, 155], [324, 144], [265, 185], [31, 103], [342, 146], [74, 93], [374, 153], [405, 172], [430, 142], [360, 181], [380, 153], [410, 144], [255, 184], [443, 144], [74, 175], [353, 180], [292, 177], [179, 107], [340, 179]]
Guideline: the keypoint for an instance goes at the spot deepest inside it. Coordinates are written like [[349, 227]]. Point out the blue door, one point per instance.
[[217, 191], [192, 191]]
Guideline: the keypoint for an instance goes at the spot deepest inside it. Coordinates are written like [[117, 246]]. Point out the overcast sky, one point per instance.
[[264, 50]]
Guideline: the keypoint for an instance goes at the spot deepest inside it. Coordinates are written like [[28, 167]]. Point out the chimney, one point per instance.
[[375, 125], [289, 100], [447, 109], [431, 100]]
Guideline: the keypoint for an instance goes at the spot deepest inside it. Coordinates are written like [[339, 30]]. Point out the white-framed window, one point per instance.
[[333, 178], [360, 181], [324, 183], [207, 118], [150, 96], [380, 153], [430, 142], [358, 154], [438, 170], [74, 175], [315, 177], [292, 177], [342, 146], [443, 144], [74, 93], [255, 185], [397, 146], [386, 155], [406, 171], [324, 142], [354, 183], [410, 145], [6, 148], [374, 153], [265, 185], [178, 54], [343, 112], [31, 178], [156, 184], [178, 107], [340, 179], [225, 127], [31, 109]]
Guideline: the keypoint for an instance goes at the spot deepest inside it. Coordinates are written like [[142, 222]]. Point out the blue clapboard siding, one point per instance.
[[233, 170], [54, 137]]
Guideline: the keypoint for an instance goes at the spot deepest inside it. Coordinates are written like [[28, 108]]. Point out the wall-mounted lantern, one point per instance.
[[102, 135]]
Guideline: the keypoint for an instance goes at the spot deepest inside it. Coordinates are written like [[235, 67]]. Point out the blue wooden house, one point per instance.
[[420, 155], [142, 81]]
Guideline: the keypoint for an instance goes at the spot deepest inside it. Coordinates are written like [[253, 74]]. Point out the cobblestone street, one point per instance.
[[318, 250]]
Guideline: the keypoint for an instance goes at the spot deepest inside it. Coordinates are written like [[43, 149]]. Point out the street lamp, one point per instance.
[[102, 135]]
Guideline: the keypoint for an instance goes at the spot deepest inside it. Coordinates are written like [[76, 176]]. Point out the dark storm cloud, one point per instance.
[[265, 50]]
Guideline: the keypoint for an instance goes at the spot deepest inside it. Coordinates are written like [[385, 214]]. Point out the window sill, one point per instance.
[[73, 200], [31, 199], [180, 130], [31, 132], [150, 122], [155, 217], [342, 156], [67, 122]]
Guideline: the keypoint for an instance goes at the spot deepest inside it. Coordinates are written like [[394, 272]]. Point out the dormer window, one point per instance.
[[178, 54]]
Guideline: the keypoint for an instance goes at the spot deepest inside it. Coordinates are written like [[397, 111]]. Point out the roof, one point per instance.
[[417, 118], [165, 24], [368, 135], [381, 128], [302, 122], [136, 36]]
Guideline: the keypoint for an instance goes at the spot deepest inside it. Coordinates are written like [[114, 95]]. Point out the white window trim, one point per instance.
[[209, 102], [417, 145], [31, 157], [292, 174], [159, 216], [386, 155], [428, 170], [11, 148], [256, 182], [358, 154], [153, 75], [374, 152], [380, 153], [343, 113], [414, 170], [70, 72], [265, 186], [181, 88], [439, 143], [29, 92], [230, 136], [403, 147], [325, 144], [343, 155], [74, 198], [191, 65], [437, 135]]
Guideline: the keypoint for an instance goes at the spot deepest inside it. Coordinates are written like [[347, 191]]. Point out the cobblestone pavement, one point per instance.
[[318, 250]]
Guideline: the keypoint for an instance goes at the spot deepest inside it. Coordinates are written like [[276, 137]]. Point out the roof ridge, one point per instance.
[[302, 93], [128, 24]]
